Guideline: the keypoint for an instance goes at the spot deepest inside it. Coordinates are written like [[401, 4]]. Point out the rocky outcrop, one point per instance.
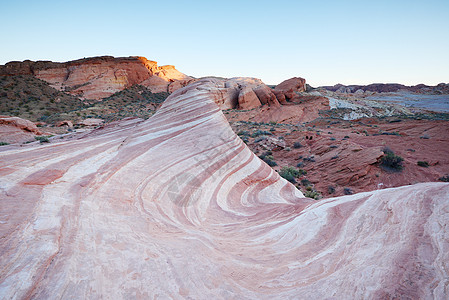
[[292, 85], [178, 206], [17, 130], [99, 77], [21, 124]]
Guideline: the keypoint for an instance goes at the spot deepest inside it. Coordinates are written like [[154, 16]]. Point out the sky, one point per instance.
[[325, 42]]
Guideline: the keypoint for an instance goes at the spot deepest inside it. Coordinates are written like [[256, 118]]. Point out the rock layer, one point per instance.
[[178, 206]]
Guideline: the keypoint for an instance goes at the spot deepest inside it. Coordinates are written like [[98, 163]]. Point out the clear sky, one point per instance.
[[326, 42]]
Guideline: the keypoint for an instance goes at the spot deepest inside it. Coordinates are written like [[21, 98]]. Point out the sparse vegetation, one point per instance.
[[391, 161], [268, 158], [424, 164], [444, 178], [259, 132], [312, 194], [43, 139], [3, 143], [297, 145], [290, 173], [347, 191]]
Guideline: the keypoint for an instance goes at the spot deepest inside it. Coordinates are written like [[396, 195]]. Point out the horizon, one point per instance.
[[326, 43]]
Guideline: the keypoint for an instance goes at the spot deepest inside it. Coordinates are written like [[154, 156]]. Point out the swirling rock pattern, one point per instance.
[[178, 207]]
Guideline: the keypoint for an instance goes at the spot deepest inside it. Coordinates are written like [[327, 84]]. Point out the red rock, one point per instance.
[[265, 95], [20, 123], [65, 123], [289, 88], [17, 130], [248, 99]]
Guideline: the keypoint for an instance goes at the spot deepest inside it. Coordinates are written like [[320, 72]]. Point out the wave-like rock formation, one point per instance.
[[178, 207]]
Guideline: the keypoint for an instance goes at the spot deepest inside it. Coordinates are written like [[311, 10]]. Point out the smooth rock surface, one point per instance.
[[178, 207]]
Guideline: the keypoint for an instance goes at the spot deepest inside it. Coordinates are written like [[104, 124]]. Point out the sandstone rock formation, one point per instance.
[[178, 206], [98, 77], [17, 130], [288, 88]]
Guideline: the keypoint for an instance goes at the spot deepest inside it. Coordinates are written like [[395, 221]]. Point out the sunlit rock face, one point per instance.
[[178, 207]]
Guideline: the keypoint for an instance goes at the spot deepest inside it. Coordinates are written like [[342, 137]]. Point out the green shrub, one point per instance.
[[290, 173], [268, 158], [43, 139], [243, 133], [312, 194], [424, 164], [391, 161], [444, 178], [3, 143], [259, 132]]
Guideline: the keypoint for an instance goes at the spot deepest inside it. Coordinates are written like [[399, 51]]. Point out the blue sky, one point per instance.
[[326, 42]]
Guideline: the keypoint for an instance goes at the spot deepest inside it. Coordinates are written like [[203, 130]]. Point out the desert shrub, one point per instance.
[[259, 132], [444, 178], [308, 159], [268, 158], [290, 173], [42, 139], [260, 139], [243, 133], [312, 194], [297, 145], [305, 182], [3, 143], [347, 191], [424, 164], [391, 161], [330, 189]]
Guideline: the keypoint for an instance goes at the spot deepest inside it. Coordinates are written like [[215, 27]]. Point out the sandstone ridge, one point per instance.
[[177, 206]]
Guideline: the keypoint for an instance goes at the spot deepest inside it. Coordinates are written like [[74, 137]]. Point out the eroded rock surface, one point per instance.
[[178, 206]]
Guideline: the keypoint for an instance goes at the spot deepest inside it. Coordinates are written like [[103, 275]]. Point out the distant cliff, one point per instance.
[[100, 77]]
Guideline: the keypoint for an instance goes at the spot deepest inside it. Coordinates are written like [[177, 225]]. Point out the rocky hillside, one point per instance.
[[30, 98], [100, 77]]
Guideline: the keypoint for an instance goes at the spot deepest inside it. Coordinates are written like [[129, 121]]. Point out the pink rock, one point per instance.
[[179, 207], [91, 122], [288, 88], [248, 99]]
